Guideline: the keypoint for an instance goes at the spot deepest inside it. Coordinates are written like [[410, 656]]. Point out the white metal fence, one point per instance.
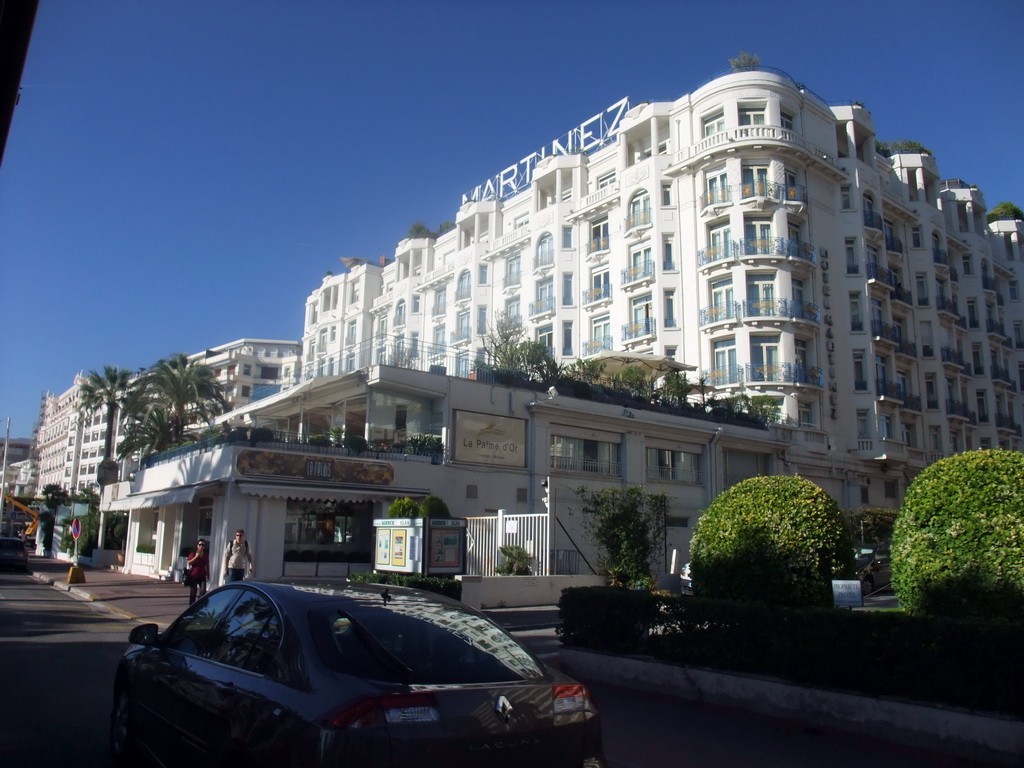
[[485, 535]]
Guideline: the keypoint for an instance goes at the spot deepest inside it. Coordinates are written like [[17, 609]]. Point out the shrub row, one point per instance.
[[972, 664], [439, 584]]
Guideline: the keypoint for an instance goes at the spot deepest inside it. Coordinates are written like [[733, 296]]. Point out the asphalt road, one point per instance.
[[58, 655]]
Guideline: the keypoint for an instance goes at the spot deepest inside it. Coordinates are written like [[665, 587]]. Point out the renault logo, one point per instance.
[[503, 709]]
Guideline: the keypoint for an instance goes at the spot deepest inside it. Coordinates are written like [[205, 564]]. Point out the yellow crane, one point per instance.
[[34, 524]]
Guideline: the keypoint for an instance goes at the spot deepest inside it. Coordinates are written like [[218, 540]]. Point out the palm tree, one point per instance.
[[187, 392], [109, 390], [147, 432]]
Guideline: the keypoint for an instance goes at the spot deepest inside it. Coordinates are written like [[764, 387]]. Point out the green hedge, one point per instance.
[[972, 664], [439, 584]]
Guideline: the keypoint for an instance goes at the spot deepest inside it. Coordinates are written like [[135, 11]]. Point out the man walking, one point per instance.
[[238, 558]]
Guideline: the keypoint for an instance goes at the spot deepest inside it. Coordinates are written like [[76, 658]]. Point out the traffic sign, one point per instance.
[[76, 528]]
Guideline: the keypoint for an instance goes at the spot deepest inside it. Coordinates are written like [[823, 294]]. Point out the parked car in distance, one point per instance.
[[13, 553], [260, 674], [873, 568]]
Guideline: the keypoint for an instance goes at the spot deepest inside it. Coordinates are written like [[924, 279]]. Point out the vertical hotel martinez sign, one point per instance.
[[591, 135]]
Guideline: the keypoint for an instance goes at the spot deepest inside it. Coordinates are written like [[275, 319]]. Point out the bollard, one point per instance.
[[76, 575]]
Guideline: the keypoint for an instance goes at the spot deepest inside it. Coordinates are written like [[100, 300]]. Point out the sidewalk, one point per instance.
[[151, 600]]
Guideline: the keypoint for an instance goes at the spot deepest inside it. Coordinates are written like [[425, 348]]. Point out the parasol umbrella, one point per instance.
[[656, 365]]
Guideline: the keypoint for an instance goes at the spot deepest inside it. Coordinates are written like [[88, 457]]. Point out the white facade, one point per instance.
[[246, 366]]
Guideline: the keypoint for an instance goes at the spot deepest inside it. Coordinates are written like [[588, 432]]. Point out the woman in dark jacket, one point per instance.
[[198, 572]]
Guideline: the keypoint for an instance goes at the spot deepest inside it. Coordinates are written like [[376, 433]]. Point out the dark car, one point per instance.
[[873, 568], [279, 675], [13, 553]]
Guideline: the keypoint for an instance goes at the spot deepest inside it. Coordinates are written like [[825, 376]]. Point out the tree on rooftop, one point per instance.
[[1005, 211], [745, 62]]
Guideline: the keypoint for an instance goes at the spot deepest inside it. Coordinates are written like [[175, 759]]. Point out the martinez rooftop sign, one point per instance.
[[591, 135]]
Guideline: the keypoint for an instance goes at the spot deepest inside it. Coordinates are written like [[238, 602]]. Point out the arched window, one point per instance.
[[545, 249], [465, 284], [400, 313], [639, 210]]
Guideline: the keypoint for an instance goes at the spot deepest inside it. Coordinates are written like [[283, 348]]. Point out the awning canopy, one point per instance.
[[157, 498], [306, 492]]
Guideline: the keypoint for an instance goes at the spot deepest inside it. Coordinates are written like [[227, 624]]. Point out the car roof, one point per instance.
[[305, 596]]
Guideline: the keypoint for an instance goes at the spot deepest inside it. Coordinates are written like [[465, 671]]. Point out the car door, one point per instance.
[[219, 702], [166, 683]]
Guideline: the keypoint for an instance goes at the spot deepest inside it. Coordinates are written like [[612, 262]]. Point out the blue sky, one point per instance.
[[182, 174]]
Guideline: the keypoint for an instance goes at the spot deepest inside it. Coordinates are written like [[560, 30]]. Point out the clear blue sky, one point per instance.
[[182, 174]]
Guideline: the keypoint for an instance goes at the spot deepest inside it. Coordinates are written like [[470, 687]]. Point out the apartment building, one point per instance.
[[245, 366]]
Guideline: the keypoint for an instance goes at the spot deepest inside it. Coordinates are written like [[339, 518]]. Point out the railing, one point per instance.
[[912, 402], [945, 304], [714, 253], [893, 243], [720, 312], [512, 279], [639, 272], [876, 271], [960, 409], [545, 257], [541, 306], [675, 474], [950, 355], [594, 346], [640, 218], [873, 220], [460, 335], [995, 327], [593, 466], [885, 388], [901, 294], [784, 373], [597, 245], [907, 349], [715, 197], [777, 246], [887, 331], [645, 327], [597, 294], [940, 256], [718, 377]]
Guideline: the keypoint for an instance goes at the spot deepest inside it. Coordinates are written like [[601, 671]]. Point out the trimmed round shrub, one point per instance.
[[774, 539], [404, 507], [957, 543], [434, 506]]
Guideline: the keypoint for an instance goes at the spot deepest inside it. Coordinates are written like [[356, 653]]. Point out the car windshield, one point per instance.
[[420, 643]]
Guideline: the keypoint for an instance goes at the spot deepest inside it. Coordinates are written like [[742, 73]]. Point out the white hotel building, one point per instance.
[[748, 230]]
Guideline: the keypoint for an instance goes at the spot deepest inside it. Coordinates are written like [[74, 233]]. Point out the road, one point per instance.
[[58, 654]]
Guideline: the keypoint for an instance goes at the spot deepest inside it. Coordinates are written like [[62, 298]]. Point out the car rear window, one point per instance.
[[424, 644], [14, 546]]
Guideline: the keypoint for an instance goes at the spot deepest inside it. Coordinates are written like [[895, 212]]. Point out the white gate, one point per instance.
[[485, 535]]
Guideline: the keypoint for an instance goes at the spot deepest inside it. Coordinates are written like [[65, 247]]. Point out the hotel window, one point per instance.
[[860, 378], [546, 337], [512, 269], [1014, 289], [545, 249], [598, 235], [716, 186], [639, 210], [439, 339], [752, 115], [601, 333], [754, 180], [915, 237], [667, 261], [606, 180], [713, 124], [852, 262], [567, 298], [481, 320], [440, 301], [666, 194], [679, 466], [968, 266], [862, 425], [670, 309], [521, 221], [416, 304], [481, 275], [567, 237], [465, 284], [856, 319], [573, 454], [786, 120], [512, 312], [845, 198], [567, 350]]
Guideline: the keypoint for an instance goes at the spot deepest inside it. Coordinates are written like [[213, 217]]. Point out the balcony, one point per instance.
[[786, 247], [1006, 423], [594, 346], [721, 377], [883, 331], [940, 256], [886, 389], [641, 329], [544, 260], [893, 243], [715, 197], [902, 295], [674, 474], [783, 373], [597, 247], [720, 313], [995, 328], [907, 349], [637, 221], [959, 409], [912, 402], [542, 306], [881, 274], [952, 356], [461, 336], [637, 274], [590, 466], [946, 305], [597, 296], [512, 280], [873, 220], [716, 253]]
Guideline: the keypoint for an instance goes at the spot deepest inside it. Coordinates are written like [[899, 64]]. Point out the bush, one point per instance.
[[516, 561], [958, 539], [772, 539], [629, 526], [441, 585], [404, 507], [434, 506], [606, 618]]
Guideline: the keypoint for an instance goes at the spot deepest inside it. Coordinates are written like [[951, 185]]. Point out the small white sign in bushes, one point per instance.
[[847, 594]]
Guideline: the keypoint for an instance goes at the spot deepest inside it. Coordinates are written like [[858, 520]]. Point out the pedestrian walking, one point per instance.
[[198, 572], [238, 558]]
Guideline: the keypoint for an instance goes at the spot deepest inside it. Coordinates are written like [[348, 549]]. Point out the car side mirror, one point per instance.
[[144, 634]]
